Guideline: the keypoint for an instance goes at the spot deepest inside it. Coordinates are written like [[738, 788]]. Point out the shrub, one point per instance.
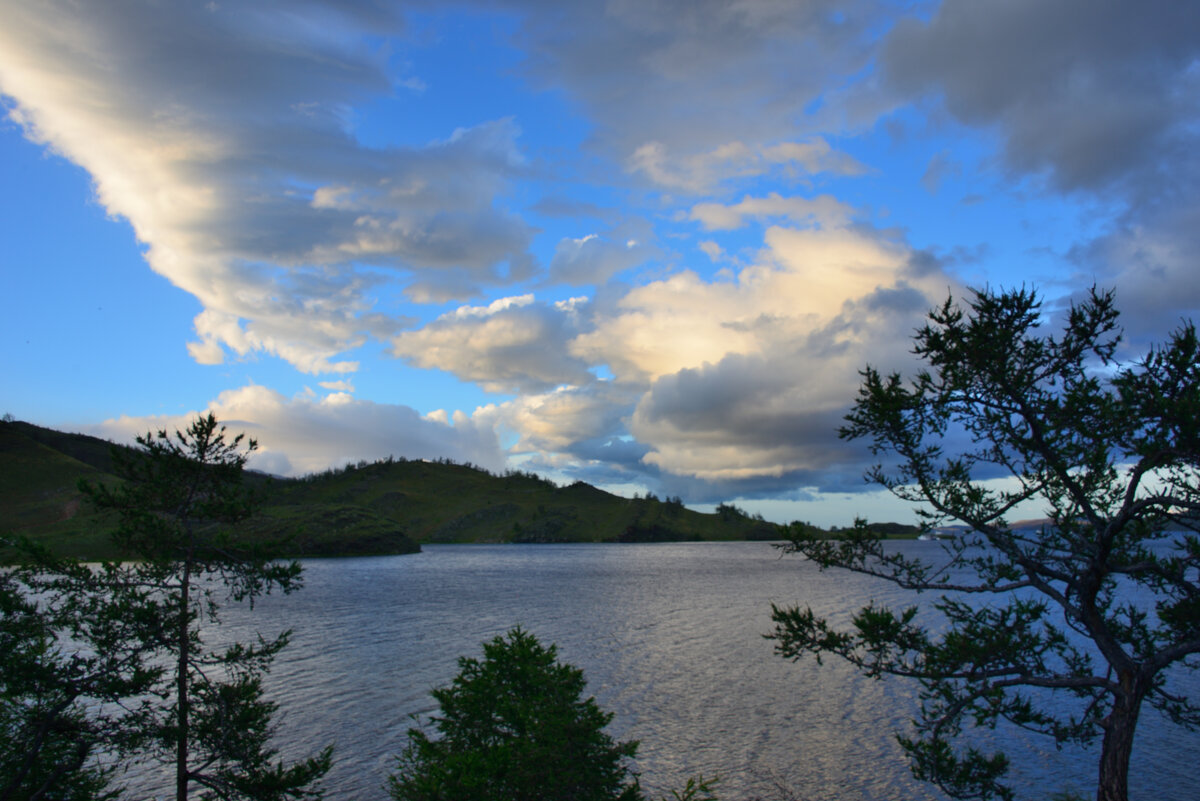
[[514, 726]]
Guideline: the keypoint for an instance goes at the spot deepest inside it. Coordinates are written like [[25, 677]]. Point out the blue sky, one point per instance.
[[643, 244]]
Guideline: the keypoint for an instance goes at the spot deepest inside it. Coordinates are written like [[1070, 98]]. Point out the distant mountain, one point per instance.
[[384, 507]]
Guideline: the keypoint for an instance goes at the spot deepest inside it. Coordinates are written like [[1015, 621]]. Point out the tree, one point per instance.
[[1094, 605], [515, 727], [74, 674], [180, 497], [48, 740]]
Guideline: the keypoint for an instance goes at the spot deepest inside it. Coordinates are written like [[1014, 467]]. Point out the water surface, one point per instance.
[[670, 640]]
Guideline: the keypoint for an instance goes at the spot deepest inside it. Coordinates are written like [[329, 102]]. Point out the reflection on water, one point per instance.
[[670, 639]]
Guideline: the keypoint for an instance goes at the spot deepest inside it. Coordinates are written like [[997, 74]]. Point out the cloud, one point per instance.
[[711, 249], [594, 259], [941, 166], [1089, 93], [771, 415], [801, 279], [1150, 259], [746, 417], [558, 206], [825, 211], [736, 383], [306, 434], [222, 133], [687, 93], [569, 420], [1099, 101], [511, 345], [703, 172], [742, 383]]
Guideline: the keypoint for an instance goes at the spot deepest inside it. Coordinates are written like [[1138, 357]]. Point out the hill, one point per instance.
[[380, 508]]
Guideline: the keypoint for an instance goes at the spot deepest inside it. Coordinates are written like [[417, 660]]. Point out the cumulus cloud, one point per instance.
[[732, 383], [513, 344], [745, 380], [307, 434], [773, 416], [569, 420], [801, 278], [221, 132], [736, 383], [711, 249]]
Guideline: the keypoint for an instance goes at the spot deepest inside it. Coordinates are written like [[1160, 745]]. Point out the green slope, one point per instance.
[[380, 508], [444, 502]]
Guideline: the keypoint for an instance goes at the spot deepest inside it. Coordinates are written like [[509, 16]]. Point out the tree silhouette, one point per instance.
[[1098, 603]]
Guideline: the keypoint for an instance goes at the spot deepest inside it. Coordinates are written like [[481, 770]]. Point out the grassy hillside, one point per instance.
[[385, 507]]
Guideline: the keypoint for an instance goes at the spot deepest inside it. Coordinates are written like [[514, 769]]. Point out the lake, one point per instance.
[[670, 640]]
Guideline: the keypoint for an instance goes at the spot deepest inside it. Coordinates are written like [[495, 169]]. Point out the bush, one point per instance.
[[514, 727]]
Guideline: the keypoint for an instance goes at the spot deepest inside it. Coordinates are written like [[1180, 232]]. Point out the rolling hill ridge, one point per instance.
[[385, 507]]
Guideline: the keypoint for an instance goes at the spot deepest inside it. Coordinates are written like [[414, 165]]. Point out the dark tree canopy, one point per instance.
[[1096, 604], [64, 672], [515, 726]]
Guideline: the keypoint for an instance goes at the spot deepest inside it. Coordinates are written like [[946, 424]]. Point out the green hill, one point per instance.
[[380, 508]]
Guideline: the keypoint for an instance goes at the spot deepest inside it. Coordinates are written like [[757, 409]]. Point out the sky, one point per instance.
[[646, 244]]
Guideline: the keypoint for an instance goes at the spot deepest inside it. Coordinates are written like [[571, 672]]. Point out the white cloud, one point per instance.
[[593, 259], [737, 381], [511, 345], [746, 380], [825, 211], [712, 250], [303, 435], [563, 420], [222, 136], [498, 305], [705, 171], [802, 279]]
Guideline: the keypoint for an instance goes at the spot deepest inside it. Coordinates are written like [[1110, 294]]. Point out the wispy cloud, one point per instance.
[[220, 132]]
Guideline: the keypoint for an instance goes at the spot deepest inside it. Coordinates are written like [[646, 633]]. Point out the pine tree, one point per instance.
[[178, 506], [1098, 604]]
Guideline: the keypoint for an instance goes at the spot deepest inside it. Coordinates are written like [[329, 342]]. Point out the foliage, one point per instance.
[[1097, 603], [180, 497], [381, 507], [514, 726], [697, 788], [65, 677]]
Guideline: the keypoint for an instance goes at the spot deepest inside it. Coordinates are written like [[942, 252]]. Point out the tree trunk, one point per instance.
[[181, 688], [1119, 728]]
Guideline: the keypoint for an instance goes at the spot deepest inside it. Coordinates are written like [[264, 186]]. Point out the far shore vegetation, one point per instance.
[[390, 506]]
